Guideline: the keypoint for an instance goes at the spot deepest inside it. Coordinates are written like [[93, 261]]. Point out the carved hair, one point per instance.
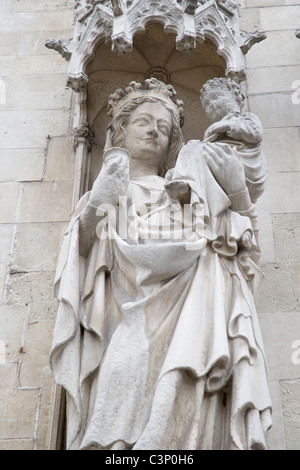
[[217, 85], [120, 120]]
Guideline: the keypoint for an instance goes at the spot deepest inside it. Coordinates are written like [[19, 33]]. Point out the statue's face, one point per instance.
[[217, 104], [148, 132]]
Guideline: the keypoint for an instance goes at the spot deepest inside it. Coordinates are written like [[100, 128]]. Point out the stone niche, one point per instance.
[[154, 53]]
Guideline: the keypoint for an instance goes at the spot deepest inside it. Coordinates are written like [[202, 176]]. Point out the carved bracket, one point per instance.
[[83, 134], [119, 21], [249, 39]]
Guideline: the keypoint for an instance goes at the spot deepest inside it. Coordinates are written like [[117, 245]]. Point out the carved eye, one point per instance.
[[141, 121], [163, 129]]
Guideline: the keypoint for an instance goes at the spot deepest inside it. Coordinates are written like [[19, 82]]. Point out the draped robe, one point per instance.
[[157, 340]]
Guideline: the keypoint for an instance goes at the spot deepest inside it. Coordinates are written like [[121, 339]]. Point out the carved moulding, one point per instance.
[[119, 21]]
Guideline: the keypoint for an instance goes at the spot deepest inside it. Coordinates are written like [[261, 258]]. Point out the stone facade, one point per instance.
[[36, 196]]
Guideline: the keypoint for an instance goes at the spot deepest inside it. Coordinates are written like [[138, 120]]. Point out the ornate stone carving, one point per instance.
[[157, 340], [119, 21], [249, 39], [60, 46], [84, 134]]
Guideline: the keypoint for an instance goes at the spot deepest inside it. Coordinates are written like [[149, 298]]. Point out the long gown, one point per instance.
[[157, 340]]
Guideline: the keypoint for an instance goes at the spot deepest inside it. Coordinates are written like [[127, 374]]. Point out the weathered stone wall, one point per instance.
[[36, 174], [36, 185], [273, 68]]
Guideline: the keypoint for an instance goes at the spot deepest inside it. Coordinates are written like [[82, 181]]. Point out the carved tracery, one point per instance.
[[119, 21]]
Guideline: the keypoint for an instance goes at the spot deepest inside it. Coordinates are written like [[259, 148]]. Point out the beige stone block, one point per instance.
[[17, 444], [8, 377], [295, 269], [3, 270], [45, 416], [250, 19], [262, 3], [9, 42], [46, 202], [37, 20], [12, 318], [287, 237], [35, 290], [35, 369], [276, 290], [279, 196], [5, 6], [60, 160], [18, 414], [30, 128], [290, 392], [272, 79], [33, 43], [9, 193], [279, 331], [20, 66], [37, 91], [278, 17], [21, 164], [275, 110], [279, 49], [6, 232], [275, 436], [281, 147], [36, 247], [41, 5], [266, 240]]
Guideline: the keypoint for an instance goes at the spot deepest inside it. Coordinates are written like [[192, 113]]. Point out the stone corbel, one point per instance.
[[62, 47], [249, 39], [83, 134]]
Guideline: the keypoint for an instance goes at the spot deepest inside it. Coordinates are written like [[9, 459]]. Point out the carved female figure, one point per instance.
[[157, 341]]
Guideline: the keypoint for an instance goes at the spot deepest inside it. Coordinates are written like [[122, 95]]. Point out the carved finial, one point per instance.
[[191, 6], [118, 7]]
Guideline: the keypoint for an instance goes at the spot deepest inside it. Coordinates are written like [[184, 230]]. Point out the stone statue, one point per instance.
[[157, 341]]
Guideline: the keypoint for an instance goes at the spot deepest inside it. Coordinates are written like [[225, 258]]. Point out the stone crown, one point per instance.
[[152, 88]]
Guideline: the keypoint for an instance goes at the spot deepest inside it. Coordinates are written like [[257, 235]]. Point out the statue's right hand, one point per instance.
[[112, 181]]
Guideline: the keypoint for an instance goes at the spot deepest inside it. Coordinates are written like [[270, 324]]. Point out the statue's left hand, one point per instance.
[[226, 167]]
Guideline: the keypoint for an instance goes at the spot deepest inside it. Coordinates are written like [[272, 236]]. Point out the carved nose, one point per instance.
[[153, 132]]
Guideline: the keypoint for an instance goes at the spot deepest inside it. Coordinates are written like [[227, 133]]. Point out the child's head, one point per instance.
[[221, 96]]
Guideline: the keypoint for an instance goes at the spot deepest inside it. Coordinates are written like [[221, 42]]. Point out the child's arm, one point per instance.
[[246, 128], [243, 127]]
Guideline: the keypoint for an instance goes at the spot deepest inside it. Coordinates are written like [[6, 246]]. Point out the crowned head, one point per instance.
[[152, 88], [160, 100]]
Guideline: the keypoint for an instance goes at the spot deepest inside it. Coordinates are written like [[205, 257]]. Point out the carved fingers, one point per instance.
[[112, 181], [226, 167], [221, 127]]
